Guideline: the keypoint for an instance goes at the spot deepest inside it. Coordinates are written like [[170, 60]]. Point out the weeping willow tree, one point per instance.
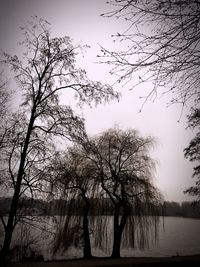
[[76, 183], [110, 178], [124, 170]]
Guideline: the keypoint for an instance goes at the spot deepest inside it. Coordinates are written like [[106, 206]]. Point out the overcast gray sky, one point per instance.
[[80, 19]]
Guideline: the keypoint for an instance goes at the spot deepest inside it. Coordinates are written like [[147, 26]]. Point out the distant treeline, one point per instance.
[[102, 206]]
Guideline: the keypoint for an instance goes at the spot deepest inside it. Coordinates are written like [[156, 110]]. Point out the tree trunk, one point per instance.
[[87, 245], [116, 243], [14, 204], [86, 234], [119, 226], [9, 228], [117, 235]]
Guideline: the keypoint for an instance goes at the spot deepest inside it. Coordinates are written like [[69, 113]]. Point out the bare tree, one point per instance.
[[47, 67], [161, 45], [124, 170]]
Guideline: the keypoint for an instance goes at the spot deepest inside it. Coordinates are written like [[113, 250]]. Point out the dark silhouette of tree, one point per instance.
[[171, 209], [124, 170], [190, 209], [47, 66], [73, 180], [115, 165], [192, 152], [161, 45]]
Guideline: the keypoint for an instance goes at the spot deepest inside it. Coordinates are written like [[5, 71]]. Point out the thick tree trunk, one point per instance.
[[14, 204], [119, 225], [116, 243], [86, 234], [87, 246], [117, 235], [9, 227]]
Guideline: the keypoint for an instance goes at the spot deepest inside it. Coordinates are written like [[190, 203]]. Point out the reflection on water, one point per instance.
[[177, 236]]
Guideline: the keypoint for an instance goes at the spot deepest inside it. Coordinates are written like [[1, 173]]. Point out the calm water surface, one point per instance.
[[176, 236], [179, 236]]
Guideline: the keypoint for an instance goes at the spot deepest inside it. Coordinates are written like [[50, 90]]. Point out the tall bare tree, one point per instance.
[[160, 44], [48, 66]]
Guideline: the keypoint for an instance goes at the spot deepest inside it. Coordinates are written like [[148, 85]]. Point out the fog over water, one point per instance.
[[82, 22]]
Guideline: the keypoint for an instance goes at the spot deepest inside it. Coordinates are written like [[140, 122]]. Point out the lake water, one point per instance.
[[179, 236], [176, 236]]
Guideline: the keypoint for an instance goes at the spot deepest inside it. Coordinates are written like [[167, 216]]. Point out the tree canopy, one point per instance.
[[113, 168], [124, 170]]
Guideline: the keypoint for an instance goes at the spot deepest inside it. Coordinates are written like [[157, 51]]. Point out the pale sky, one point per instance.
[[82, 22]]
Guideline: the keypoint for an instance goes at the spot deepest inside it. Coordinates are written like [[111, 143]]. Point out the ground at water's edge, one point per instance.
[[193, 260]]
